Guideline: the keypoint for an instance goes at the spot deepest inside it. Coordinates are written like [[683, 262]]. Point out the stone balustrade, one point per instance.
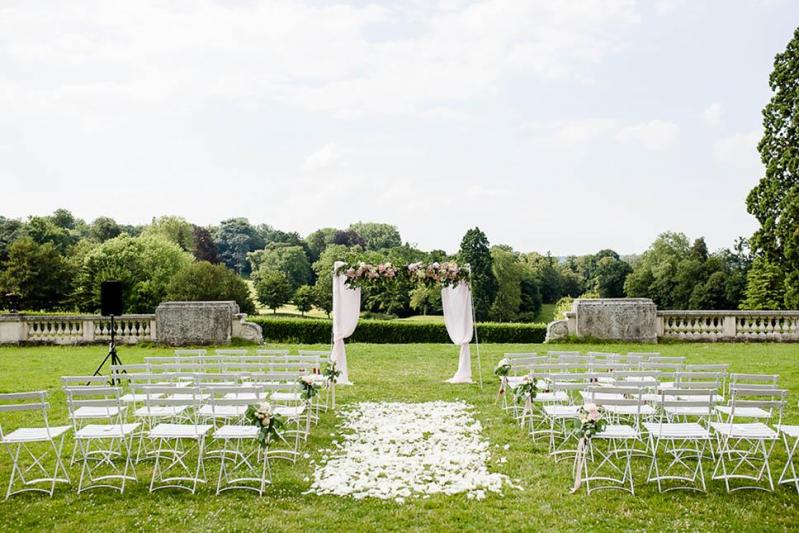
[[75, 329], [181, 323], [636, 320], [728, 325]]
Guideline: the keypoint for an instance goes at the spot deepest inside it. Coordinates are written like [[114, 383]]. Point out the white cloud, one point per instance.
[[334, 58], [653, 135], [738, 150], [326, 157], [712, 114]]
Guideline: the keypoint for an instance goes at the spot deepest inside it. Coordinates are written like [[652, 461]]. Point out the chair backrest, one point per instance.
[[130, 369], [106, 403], [644, 356], [14, 402], [701, 402], [68, 382], [171, 396], [557, 353], [230, 351], [262, 351], [217, 379], [617, 396], [700, 380], [240, 395], [195, 351], [769, 399], [267, 378]]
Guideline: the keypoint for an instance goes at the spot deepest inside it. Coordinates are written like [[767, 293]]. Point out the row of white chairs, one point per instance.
[[690, 408], [173, 416]]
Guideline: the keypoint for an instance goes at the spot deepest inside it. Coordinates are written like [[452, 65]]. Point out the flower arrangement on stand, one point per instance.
[[331, 374], [525, 393], [589, 423], [501, 371], [266, 420], [310, 388]]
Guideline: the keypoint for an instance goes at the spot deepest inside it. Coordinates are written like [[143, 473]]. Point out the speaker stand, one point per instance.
[[112, 354]]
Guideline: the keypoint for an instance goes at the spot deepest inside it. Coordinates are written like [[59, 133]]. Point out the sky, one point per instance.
[[553, 126]]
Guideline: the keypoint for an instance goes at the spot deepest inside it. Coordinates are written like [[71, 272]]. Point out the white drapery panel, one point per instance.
[[457, 304], [346, 310]]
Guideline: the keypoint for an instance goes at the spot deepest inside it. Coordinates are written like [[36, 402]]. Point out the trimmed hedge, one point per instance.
[[317, 331]]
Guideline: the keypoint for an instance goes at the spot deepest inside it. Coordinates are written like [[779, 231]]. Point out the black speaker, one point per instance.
[[111, 298]]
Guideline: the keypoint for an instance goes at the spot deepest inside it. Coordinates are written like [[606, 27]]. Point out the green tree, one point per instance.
[[508, 273], [775, 199], [234, 239], [377, 236], [288, 259], [318, 241], [273, 288], [765, 285], [10, 230], [44, 230], [655, 274], [304, 298], [204, 245], [145, 266], [202, 281], [323, 268], [426, 299], [103, 229], [609, 276], [38, 273], [475, 252], [174, 229]]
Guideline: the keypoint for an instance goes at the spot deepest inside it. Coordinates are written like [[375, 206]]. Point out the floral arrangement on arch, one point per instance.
[[266, 420], [447, 273]]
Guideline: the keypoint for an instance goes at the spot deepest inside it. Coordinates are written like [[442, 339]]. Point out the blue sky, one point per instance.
[[561, 126]]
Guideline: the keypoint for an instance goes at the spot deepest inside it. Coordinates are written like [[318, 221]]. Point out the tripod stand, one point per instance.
[[112, 353]]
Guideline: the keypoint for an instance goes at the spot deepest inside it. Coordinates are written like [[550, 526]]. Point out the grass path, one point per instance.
[[409, 373]]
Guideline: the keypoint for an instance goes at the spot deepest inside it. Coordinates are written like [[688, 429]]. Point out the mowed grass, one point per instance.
[[411, 373]]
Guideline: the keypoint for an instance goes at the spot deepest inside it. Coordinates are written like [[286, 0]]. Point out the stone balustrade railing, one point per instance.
[[728, 325], [75, 329]]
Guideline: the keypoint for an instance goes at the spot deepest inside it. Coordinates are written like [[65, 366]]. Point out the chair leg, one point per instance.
[[789, 465]]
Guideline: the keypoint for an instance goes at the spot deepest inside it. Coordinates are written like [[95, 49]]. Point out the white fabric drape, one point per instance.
[[457, 304], [346, 310]]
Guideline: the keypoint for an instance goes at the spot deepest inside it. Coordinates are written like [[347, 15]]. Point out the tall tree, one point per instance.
[[288, 259], [775, 199], [475, 252], [103, 229], [204, 245], [38, 273], [377, 236], [235, 238], [174, 229], [273, 289], [508, 272]]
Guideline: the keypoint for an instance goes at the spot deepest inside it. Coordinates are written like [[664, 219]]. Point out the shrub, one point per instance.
[[203, 281], [317, 331]]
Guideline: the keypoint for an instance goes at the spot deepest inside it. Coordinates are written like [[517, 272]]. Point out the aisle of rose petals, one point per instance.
[[401, 450]]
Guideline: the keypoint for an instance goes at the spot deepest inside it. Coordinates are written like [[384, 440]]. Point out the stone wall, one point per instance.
[[190, 323], [638, 320]]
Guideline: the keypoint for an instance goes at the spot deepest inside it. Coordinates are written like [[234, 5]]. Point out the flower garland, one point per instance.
[[309, 387], [360, 274], [268, 422]]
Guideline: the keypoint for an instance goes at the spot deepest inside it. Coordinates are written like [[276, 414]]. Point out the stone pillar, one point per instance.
[[191, 323], [621, 319], [729, 327]]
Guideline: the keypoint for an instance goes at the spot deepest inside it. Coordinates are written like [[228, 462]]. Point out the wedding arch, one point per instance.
[[456, 300]]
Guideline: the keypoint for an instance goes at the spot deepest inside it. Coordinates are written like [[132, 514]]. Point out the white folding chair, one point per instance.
[[177, 444], [745, 448], [789, 475], [100, 445], [682, 441], [88, 413], [244, 465], [611, 461], [19, 444]]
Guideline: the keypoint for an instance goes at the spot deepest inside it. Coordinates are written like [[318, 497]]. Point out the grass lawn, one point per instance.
[[403, 373]]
